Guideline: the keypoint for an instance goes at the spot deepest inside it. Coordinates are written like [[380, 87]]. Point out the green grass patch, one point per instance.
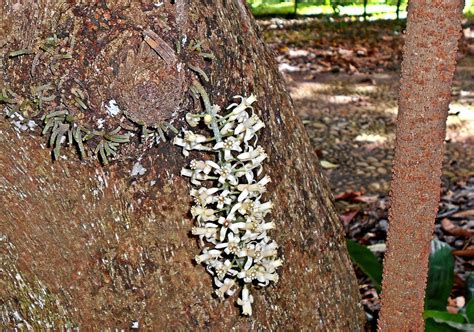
[[376, 11], [288, 7]]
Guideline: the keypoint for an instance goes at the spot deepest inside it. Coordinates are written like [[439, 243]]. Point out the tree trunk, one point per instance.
[[365, 9], [433, 31], [96, 247], [399, 3]]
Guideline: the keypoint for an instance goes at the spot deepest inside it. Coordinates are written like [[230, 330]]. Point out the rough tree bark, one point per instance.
[[433, 32], [95, 247]]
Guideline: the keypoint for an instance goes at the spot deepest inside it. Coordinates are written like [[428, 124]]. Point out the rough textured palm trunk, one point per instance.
[[433, 31], [95, 247]]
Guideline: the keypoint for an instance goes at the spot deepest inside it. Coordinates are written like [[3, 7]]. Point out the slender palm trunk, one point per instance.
[[433, 31]]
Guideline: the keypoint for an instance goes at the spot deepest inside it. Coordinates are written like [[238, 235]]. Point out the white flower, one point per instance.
[[254, 189], [191, 141], [257, 252], [203, 214], [260, 210], [264, 277], [209, 231], [246, 302], [246, 207], [199, 171], [225, 172], [193, 119], [228, 223], [232, 246], [207, 255], [249, 127], [248, 274], [248, 169], [256, 156], [238, 111], [229, 145], [221, 269], [255, 230], [271, 264], [196, 176], [229, 214], [204, 196], [224, 287], [223, 199], [227, 129]]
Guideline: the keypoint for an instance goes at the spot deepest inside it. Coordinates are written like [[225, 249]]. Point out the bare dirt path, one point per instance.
[[351, 121]]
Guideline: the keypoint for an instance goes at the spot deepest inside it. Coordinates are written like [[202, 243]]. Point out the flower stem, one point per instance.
[[209, 109]]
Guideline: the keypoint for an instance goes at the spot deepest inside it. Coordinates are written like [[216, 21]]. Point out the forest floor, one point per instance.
[[344, 80]]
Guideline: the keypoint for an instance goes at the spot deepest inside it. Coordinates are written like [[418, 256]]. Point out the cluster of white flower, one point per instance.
[[229, 213]]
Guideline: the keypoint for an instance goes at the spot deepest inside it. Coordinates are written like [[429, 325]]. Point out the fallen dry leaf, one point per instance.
[[346, 218], [348, 194], [326, 164], [469, 252], [464, 214], [449, 227], [367, 199]]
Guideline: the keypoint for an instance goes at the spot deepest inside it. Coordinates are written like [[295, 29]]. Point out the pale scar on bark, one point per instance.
[[150, 85]]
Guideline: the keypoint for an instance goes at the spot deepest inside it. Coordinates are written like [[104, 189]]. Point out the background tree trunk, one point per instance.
[[429, 59], [365, 9], [95, 247], [399, 3]]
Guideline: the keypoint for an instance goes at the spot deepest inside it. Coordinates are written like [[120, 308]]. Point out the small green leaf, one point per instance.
[[80, 103], [78, 139], [171, 127], [108, 149], [20, 52], [161, 134], [113, 136], [440, 276], [199, 71], [366, 261], [48, 98], [55, 114], [101, 152], [65, 56], [69, 136], [118, 138]]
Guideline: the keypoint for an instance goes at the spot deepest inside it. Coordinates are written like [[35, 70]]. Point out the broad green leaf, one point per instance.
[[436, 325], [470, 286], [366, 261], [442, 321], [443, 316], [470, 311], [432, 326], [456, 326], [440, 276]]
